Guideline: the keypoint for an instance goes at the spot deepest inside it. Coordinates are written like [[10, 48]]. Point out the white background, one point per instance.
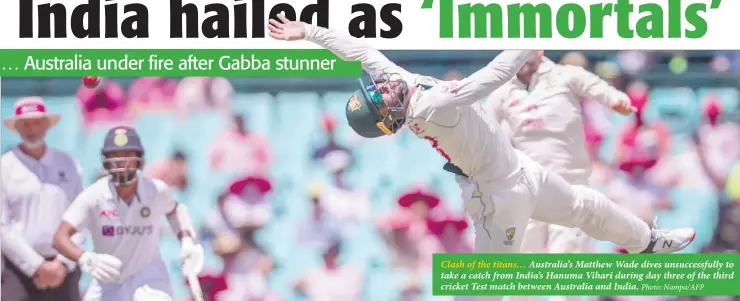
[[420, 30]]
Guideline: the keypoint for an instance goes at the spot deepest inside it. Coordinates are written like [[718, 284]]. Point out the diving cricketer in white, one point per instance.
[[542, 104], [123, 213], [507, 187]]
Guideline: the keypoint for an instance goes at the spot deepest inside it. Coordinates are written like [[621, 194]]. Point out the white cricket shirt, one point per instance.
[[448, 114], [545, 116], [128, 232], [35, 194]]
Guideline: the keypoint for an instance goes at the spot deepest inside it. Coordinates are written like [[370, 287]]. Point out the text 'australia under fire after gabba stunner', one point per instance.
[[76, 62]]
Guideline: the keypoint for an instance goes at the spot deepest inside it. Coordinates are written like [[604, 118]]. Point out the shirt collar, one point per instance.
[[114, 193], [47, 159], [544, 67]]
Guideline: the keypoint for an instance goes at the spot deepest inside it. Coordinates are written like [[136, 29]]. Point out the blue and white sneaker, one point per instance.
[[669, 240]]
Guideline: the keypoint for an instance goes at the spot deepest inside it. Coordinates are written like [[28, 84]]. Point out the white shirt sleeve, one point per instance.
[[352, 49], [440, 103], [167, 201], [14, 247], [80, 212], [587, 84], [481, 83]]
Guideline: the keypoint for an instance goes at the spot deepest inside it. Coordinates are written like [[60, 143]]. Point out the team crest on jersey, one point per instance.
[[510, 233], [545, 82], [354, 104], [145, 212], [63, 177], [428, 81]]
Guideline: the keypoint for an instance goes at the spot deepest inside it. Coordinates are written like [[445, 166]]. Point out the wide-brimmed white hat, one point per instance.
[[29, 108]]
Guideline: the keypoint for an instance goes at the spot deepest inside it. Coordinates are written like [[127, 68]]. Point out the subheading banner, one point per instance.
[[175, 63], [585, 275]]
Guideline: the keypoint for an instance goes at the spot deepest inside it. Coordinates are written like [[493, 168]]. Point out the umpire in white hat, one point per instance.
[[38, 184]]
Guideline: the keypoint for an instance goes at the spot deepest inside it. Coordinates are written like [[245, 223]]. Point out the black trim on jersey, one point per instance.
[[425, 87], [449, 167]]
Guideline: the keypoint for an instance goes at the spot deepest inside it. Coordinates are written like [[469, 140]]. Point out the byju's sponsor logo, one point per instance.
[[127, 230], [109, 231]]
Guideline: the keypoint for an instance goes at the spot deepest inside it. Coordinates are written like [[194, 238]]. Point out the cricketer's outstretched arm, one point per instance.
[[352, 49], [587, 84], [483, 82]]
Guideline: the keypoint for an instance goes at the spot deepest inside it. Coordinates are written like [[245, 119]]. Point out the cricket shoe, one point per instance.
[[669, 241]]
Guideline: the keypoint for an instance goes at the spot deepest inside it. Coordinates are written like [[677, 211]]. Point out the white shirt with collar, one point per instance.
[[545, 116], [35, 193], [130, 233]]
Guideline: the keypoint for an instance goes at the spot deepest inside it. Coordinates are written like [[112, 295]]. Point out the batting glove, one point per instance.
[[191, 256], [103, 267]]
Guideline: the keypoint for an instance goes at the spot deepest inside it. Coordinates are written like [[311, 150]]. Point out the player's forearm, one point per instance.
[[350, 49], [20, 253], [64, 243], [67, 247], [180, 222], [79, 240], [587, 84], [607, 95]]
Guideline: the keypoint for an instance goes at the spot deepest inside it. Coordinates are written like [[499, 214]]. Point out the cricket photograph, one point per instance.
[[326, 164]]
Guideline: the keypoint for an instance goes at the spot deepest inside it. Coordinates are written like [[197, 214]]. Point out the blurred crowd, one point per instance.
[[648, 163]]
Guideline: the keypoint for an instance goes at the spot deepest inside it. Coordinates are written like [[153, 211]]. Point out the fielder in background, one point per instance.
[[123, 212], [38, 183], [502, 187], [542, 105]]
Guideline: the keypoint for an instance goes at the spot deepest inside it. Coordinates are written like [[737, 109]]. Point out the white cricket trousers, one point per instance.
[[501, 211], [540, 236], [557, 239], [151, 283]]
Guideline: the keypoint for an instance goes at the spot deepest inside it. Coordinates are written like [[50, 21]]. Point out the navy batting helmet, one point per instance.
[[123, 155], [378, 109]]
